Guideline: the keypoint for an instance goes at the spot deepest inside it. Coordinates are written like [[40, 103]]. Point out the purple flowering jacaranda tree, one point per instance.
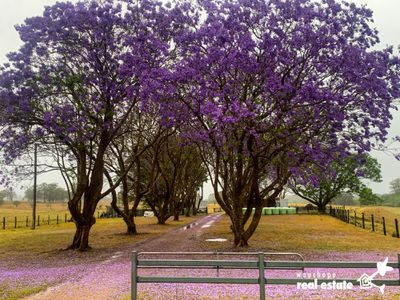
[[271, 86], [82, 69]]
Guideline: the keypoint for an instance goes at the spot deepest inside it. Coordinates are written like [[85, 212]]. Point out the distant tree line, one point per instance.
[[47, 192]]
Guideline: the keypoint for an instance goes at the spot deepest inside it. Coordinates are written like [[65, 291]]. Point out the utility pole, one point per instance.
[[33, 226]]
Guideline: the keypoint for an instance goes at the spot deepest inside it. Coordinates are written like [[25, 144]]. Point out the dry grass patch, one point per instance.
[[305, 233], [107, 235], [45, 211], [389, 213]]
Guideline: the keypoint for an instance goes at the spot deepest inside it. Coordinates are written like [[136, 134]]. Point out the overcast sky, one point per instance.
[[386, 14]]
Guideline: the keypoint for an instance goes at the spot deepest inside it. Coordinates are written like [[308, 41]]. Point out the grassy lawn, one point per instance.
[[106, 235], [304, 234]]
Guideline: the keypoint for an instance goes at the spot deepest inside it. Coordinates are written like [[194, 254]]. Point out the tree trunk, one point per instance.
[[321, 208], [176, 216], [130, 225], [81, 238], [242, 235], [161, 221], [84, 245], [240, 239], [162, 217], [126, 214], [76, 241]]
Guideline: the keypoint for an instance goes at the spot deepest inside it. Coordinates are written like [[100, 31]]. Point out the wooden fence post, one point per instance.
[[27, 221], [4, 222], [373, 223], [363, 220], [355, 219], [57, 219], [15, 222], [38, 220], [396, 223], [48, 219], [384, 225], [348, 216]]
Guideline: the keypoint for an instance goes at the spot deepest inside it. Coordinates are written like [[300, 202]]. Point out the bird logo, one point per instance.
[[366, 280]]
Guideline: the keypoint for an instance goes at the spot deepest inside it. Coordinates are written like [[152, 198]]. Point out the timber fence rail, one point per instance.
[[370, 222], [258, 262]]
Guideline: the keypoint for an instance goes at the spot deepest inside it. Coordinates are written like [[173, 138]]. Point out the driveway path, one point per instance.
[[110, 278]]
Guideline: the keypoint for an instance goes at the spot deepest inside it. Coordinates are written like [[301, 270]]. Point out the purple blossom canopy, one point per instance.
[[297, 75], [81, 70]]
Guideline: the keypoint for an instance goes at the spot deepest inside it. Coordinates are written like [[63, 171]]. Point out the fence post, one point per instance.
[[348, 216], [57, 219], [48, 219], [134, 259], [15, 222], [355, 219], [38, 220], [27, 221], [363, 220], [373, 223], [261, 275], [384, 225], [397, 229], [65, 218], [398, 264], [4, 222]]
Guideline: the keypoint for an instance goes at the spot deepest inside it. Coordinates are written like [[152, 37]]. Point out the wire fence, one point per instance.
[[15, 222], [367, 221]]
